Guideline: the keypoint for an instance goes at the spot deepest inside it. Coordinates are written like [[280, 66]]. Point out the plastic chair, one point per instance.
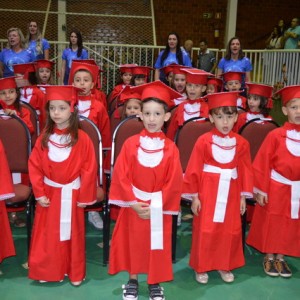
[[255, 134], [93, 132], [185, 139], [16, 140], [114, 122]]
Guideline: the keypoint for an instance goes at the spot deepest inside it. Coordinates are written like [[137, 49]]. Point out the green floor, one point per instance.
[[250, 283]]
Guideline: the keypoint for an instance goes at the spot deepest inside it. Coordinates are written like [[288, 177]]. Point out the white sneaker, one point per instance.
[[95, 219]]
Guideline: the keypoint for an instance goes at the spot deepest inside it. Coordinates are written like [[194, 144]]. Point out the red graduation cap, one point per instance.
[[222, 99], [196, 76], [141, 70], [24, 69], [78, 65], [157, 89], [288, 93], [44, 63], [67, 93], [127, 68], [8, 83], [128, 93], [215, 81], [261, 90], [174, 68], [233, 75]]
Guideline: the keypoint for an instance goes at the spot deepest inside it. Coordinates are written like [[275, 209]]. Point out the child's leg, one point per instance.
[[269, 265], [131, 289], [282, 266]]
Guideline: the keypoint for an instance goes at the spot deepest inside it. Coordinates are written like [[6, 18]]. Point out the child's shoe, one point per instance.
[[227, 276], [201, 277], [95, 219], [131, 290], [156, 292], [283, 268], [270, 267]]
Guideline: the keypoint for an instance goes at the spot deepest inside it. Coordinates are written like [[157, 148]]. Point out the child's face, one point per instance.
[[253, 102], [139, 81], [292, 111], [223, 122], [153, 116], [210, 89], [195, 91], [60, 113], [84, 81], [179, 82], [9, 96], [44, 75], [126, 77], [233, 85], [132, 107]]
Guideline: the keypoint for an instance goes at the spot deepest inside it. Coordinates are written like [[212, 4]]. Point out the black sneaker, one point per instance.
[[270, 267], [283, 268], [156, 292], [131, 290]]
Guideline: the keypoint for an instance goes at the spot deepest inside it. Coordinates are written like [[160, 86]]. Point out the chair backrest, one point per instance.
[[93, 132], [34, 120], [16, 140], [187, 135], [114, 122], [255, 133], [172, 111], [127, 128]]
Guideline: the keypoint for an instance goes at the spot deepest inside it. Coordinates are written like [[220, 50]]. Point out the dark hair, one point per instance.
[[138, 76], [262, 105], [156, 100], [203, 41], [32, 78], [228, 110], [228, 51], [166, 52], [72, 129], [79, 41]]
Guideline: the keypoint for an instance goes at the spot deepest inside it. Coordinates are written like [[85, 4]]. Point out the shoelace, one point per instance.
[[130, 289], [156, 291]]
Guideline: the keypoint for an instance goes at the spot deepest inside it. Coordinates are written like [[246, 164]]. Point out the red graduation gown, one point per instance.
[[130, 247], [217, 246], [178, 118], [50, 259], [7, 247], [272, 229]]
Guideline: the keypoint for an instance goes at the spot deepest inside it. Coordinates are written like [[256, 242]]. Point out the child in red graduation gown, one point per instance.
[[62, 169], [219, 178], [146, 184], [275, 227], [7, 247], [194, 106], [259, 104]]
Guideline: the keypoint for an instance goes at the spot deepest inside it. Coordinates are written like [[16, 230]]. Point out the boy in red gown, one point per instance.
[[275, 227], [219, 178], [146, 184]]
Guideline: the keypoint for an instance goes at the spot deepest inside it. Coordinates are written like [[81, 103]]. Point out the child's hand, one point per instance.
[[10, 111], [81, 205], [142, 209], [261, 199], [243, 204], [44, 201], [196, 205]]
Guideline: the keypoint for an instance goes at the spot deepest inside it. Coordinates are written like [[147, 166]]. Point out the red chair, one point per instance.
[[16, 140]]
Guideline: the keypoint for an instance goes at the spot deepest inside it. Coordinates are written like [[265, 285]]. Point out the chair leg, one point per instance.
[[174, 237], [28, 222], [106, 232]]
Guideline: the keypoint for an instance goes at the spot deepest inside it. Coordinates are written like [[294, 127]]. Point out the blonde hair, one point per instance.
[[39, 38], [22, 39]]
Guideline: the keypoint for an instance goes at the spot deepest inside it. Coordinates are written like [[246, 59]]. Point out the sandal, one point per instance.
[[201, 277], [16, 221], [130, 290], [156, 292], [227, 276]]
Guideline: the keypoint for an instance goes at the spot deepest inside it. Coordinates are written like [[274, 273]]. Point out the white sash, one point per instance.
[[295, 192], [156, 216], [223, 189], [66, 205]]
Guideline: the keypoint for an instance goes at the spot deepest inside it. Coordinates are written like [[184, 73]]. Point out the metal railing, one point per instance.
[[269, 66]]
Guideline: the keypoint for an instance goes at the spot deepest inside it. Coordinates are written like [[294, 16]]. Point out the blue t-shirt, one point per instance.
[[292, 43], [240, 65], [38, 54], [8, 57], [68, 55], [171, 59]]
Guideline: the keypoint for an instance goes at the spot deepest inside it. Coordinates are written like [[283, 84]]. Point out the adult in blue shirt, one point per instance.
[[235, 60], [36, 43], [15, 53], [172, 54], [291, 37], [74, 51]]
